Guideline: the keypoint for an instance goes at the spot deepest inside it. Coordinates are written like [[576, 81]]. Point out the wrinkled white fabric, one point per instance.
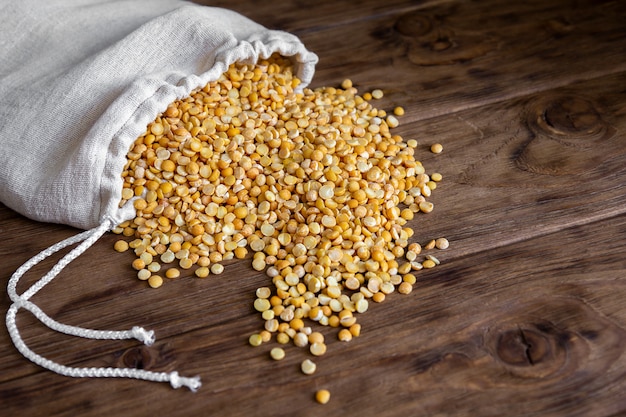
[[81, 79]]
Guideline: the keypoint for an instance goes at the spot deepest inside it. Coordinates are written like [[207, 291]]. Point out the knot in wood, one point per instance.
[[414, 25], [441, 44], [523, 347], [568, 133], [137, 357], [571, 116]]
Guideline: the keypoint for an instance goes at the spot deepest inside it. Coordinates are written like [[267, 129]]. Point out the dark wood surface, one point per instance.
[[525, 316]]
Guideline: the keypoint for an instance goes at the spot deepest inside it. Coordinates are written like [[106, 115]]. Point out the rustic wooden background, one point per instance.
[[526, 315]]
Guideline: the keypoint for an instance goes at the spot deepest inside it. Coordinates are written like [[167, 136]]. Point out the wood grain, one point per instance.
[[524, 317], [456, 55], [538, 330], [540, 161]]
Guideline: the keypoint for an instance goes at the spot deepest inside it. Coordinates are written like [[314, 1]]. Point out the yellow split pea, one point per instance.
[[313, 182], [322, 396], [436, 148]]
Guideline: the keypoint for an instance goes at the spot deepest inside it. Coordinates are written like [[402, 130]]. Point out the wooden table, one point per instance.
[[526, 315]]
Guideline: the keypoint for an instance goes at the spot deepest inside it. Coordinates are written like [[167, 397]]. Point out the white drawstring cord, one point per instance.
[[139, 333], [87, 239]]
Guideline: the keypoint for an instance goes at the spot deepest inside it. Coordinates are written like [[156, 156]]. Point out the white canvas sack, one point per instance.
[[79, 81]]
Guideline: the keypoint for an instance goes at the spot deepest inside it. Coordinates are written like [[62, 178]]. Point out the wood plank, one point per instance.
[[438, 57], [202, 326], [526, 168], [509, 189], [526, 329], [525, 316], [302, 16], [453, 56]]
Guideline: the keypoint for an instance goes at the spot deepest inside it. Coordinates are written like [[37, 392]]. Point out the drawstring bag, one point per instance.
[[80, 80]]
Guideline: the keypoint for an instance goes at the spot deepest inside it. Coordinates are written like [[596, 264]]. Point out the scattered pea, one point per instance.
[[217, 269], [143, 274], [318, 349], [277, 353], [361, 305], [316, 337], [322, 396], [442, 243], [265, 336], [255, 339], [259, 264], [121, 246], [429, 263], [426, 206], [185, 263], [392, 121], [433, 259], [344, 335], [154, 267], [167, 257], [271, 324], [377, 93], [300, 339], [282, 338], [436, 148], [261, 304], [202, 272], [138, 264], [172, 273], [410, 278], [355, 329], [313, 184], [378, 297], [308, 367], [405, 288], [155, 281], [263, 292]]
